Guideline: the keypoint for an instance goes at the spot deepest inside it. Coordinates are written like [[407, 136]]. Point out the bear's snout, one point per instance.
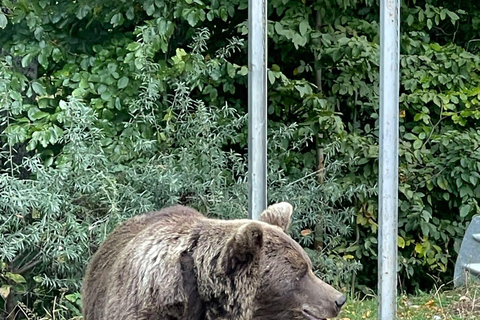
[[321, 300]]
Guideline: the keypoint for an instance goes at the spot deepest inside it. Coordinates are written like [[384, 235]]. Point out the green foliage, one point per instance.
[[75, 196], [439, 109], [129, 106]]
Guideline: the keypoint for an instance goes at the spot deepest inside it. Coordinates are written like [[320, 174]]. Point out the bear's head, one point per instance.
[[288, 287]]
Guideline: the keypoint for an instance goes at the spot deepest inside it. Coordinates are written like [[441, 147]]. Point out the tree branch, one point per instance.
[[34, 262]]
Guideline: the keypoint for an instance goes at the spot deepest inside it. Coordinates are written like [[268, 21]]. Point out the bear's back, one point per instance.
[[100, 271]]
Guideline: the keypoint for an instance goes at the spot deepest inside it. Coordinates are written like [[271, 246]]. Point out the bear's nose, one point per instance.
[[341, 301]]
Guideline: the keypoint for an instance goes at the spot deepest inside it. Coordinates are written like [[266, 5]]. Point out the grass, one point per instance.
[[457, 304]]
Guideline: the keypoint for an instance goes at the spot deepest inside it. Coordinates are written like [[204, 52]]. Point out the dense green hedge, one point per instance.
[[108, 109]]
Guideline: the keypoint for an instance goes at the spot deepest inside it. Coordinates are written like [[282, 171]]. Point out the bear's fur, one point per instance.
[[176, 264]]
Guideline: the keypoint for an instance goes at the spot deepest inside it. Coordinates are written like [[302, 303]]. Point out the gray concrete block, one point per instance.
[[473, 268], [468, 260]]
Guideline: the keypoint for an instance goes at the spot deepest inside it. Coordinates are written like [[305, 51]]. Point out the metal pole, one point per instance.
[[388, 173], [257, 107]]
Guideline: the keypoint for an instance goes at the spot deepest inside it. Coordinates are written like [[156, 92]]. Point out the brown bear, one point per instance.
[[176, 264]]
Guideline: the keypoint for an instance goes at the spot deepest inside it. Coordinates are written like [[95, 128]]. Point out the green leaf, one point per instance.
[[304, 25], [73, 297], [63, 105], [243, 71], [303, 90], [117, 19], [47, 163], [453, 16], [149, 7], [421, 15], [417, 144], [337, 55], [43, 59], [3, 20], [409, 136], [419, 248], [271, 77], [38, 115], [401, 242], [35, 114], [82, 12], [26, 60], [223, 13], [465, 210], [38, 88], [298, 40], [279, 28], [465, 190], [31, 20], [133, 46], [122, 82], [118, 103], [210, 15], [4, 291], [15, 277], [410, 20], [130, 14], [231, 71], [442, 183], [193, 18], [83, 84], [443, 14]]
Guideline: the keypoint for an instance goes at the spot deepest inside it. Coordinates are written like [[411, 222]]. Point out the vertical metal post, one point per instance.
[[257, 107], [388, 173]]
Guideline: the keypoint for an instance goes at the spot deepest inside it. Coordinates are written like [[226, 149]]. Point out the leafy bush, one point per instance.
[[438, 192], [117, 102], [52, 222]]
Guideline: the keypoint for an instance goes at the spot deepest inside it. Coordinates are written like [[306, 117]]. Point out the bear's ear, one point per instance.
[[278, 214], [242, 248]]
